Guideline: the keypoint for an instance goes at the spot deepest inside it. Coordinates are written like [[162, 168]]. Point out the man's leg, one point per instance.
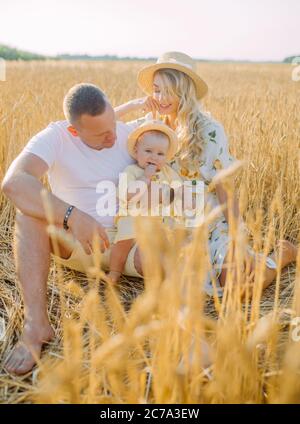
[[32, 256]]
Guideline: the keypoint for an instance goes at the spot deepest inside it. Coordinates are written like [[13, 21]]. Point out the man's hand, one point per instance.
[[85, 228]]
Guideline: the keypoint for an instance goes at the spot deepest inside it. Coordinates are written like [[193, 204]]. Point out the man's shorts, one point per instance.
[[81, 261]]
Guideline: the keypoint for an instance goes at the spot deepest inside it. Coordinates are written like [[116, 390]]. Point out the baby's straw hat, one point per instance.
[[153, 125], [172, 60]]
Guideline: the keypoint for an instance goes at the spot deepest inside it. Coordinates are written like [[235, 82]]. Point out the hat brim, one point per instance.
[[134, 135], [146, 75]]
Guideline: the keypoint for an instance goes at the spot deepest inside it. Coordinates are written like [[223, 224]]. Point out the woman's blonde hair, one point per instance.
[[191, 119]]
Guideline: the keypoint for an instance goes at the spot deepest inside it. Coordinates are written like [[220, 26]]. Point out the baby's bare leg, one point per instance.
[[118, 258]]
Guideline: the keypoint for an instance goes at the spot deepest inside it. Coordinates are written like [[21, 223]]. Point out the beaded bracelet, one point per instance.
[[67, 215]]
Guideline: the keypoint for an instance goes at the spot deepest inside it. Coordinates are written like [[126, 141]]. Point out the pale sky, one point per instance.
[[211, 29]]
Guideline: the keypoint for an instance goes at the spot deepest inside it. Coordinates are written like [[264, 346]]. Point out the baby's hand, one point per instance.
[[150, 170]]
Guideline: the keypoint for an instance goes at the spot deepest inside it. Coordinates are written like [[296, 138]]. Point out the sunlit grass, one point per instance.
[[160, 341]]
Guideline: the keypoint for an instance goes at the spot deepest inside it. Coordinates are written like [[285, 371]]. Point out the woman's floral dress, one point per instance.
[[215, 155]]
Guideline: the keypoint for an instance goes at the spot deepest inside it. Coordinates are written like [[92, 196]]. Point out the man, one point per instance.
[[77, 154]]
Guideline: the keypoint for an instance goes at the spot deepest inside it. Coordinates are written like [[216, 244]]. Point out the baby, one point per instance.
[[152, 145]]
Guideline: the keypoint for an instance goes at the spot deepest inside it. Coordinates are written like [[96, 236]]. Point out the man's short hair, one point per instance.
[[84, 99]]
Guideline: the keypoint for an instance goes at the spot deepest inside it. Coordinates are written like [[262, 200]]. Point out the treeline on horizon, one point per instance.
[[11, 53]]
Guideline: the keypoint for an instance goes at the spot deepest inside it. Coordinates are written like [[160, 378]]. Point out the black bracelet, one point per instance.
[[67, 215]]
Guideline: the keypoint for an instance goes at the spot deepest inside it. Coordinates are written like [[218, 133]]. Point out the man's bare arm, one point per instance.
[[23, 187]]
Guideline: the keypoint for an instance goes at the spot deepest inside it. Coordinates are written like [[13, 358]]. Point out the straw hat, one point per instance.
[[172, 60], [153, 125]]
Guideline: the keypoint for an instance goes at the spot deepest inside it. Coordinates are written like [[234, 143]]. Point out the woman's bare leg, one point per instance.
[[289, 255]]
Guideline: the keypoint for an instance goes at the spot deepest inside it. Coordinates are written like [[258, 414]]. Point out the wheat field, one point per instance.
[[146, 341]]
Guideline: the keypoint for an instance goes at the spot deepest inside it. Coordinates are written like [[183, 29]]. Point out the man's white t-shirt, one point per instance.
[[75, 170]]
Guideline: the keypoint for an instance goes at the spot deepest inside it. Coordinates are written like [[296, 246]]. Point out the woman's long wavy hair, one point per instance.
[[191, 119]]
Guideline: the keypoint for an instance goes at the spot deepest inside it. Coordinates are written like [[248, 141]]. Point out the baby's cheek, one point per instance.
[[140, 157]]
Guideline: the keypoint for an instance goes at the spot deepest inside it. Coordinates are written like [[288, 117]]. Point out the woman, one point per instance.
[[174, 90]]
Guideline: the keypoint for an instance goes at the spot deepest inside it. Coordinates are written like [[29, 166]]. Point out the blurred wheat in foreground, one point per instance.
[[162, 340]]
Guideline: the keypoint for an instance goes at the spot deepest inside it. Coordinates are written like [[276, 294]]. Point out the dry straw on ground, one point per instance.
[[148, 342]]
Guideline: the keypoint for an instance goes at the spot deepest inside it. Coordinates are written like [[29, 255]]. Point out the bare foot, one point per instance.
[[114, 277], [24, 355], [289, 251]]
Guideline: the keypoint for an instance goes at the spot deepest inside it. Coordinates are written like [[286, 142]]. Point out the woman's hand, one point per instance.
[[149, 104], [222, 197], [144, 104]]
